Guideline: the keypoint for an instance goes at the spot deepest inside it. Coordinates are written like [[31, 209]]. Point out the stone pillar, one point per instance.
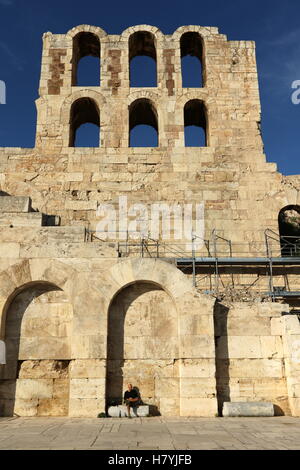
[[291, 345], [198, 396], [2, 353]]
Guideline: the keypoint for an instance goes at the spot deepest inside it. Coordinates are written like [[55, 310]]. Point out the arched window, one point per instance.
[[84, 123], [191, 48], [142, 60], [86, 60], [143, 124], [289, 230], [195, 125]]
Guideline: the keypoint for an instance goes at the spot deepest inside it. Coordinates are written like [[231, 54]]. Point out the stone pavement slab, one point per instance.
[[157, 433]]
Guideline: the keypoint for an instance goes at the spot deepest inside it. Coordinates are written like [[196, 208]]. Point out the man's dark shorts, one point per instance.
[[133, 404]]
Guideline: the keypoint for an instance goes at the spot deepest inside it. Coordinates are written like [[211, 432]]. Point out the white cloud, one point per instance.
[[14, 59], [289, 39], [280, 62]]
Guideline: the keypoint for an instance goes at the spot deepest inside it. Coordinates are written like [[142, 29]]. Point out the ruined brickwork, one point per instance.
[[81, 318]]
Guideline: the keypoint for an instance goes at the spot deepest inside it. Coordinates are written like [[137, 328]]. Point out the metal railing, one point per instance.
[[215, 252]]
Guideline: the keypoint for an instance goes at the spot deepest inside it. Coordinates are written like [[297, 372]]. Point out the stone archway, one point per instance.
[[36, 325], [193, 348], [143, 347], [35, 379]]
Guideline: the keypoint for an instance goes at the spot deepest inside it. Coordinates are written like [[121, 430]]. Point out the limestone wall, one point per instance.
[[78, 355], [291, 341], [242, 193], [109, 320], [250, 358]]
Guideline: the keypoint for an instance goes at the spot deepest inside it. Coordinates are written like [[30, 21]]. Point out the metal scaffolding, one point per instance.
[[216, 253]]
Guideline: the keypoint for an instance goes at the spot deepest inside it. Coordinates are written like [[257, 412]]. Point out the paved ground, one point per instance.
[[150, 433]]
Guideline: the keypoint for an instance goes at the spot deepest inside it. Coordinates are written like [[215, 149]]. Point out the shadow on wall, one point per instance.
[[222, 356]]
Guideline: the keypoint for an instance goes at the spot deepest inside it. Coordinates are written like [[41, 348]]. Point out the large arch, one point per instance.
[[35, 379], [190, 352], [143, 347], [36, 321]]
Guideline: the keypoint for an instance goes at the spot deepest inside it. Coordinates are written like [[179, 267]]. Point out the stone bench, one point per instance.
[[120, 411], [240, 409]]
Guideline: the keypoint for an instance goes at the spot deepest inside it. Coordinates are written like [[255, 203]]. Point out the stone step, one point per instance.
[[38, 235], [15, 204], [244, 409], [120, 411], [20, 219]]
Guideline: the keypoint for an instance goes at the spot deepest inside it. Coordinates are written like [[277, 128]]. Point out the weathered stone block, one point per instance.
[[14, 204], [87, 388], [53, 407], [121, 411], [30, 389], [86, 407], [167, 387], [239, 347], [87, 368], [197, 368], [169, 406], [246, 368], [237, 409], [198, 407], [26, 407]]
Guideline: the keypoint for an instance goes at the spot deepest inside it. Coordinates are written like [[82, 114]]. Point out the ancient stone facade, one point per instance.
[[80, 317]]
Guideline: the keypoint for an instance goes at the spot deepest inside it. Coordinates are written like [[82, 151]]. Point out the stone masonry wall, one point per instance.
[[78, 321], [250, 359]]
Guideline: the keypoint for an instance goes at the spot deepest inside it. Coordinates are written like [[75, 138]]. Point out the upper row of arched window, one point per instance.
[[142, 60]]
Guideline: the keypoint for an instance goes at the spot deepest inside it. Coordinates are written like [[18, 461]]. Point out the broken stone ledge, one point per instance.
[[246, 409], [121, 411]]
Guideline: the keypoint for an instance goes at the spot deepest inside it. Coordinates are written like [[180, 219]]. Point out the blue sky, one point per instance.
[[274, 25]]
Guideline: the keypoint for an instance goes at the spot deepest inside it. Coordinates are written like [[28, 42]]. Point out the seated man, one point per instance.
[[131, 398]]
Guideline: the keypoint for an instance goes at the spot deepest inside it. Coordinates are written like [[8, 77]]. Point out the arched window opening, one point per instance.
[[191, 48], [84, 111], [289, 230], [143, 124], [195, 126], [86, 70], [142, 60]]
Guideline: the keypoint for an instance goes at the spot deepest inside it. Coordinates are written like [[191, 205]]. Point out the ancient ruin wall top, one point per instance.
[[226, 105]]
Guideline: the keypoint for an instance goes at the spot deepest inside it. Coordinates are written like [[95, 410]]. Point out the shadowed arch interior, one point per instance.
[[289, 230], [195, 115], [35, 381], [142, 340], [142, 112], [142, 72], [85, 44], [83, 111], [191, 49]]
